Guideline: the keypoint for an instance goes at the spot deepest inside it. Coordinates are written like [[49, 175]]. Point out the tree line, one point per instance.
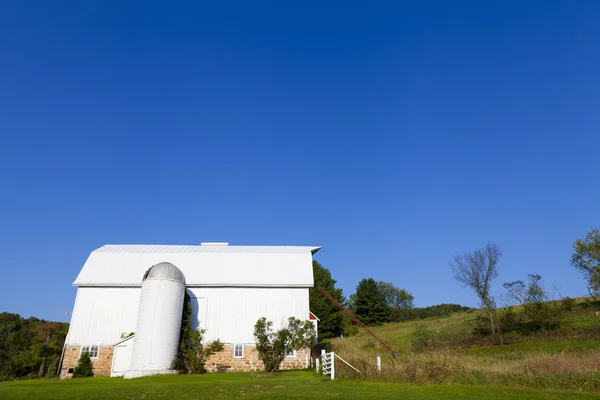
[[30, 347], [374, 303]]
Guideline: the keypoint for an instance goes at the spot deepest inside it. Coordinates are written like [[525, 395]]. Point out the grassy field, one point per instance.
[[284, 385], [565, 359]]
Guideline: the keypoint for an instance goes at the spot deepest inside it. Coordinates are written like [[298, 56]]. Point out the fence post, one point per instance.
[[379, 364], [332, 365]]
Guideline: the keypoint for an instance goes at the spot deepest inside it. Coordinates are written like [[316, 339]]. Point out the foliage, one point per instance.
[[537, 312], [331, 319], [29, 346], [398, 300], [438, 310], [477, 270], [273, 347], [84, 368], [126, 335], [420, 337], [192, 353], [517, 292], [350, 328], [370, 305], [586, 259], [568, 303]]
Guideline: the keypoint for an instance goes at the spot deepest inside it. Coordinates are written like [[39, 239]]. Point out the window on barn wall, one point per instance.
[[238, 350], [92, 350], [291, 354]]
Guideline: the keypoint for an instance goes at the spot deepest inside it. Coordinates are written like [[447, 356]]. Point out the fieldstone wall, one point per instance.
[[102, 364], [224, 360]]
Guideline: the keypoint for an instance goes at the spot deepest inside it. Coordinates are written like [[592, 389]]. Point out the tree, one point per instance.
[[273, 347], [29, 346], [517, 292], [398, 300], [84, 368], [476, 270], [331, 322], [370, 305], [587, 260]]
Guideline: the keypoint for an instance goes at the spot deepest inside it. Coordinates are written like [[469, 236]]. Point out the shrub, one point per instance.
[[420, 338], [509, 320], [350, 329], [568, 303], [53, 367], [84, 368], [273, 347]]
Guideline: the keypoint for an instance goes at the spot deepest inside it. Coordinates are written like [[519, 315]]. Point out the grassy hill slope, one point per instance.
[[567, 358]]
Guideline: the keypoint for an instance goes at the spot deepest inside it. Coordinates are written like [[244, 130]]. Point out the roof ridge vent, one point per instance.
[[214, 244]]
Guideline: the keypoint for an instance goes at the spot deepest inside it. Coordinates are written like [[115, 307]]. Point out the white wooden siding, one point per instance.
[[232, 312], [101, 315]]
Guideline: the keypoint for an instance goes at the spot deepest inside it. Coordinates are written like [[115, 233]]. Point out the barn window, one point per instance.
[[291, 354], [92, 350], [238, 350]]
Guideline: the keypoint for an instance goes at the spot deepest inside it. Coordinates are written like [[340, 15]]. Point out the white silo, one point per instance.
[[158, 322]]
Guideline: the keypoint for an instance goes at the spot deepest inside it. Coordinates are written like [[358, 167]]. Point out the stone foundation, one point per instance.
[[224, 360], [102, 364]]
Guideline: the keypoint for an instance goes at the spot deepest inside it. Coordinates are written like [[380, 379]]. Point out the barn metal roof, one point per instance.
[[214, 264]]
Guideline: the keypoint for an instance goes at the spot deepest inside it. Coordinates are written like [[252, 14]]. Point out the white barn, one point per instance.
[[230, 287]]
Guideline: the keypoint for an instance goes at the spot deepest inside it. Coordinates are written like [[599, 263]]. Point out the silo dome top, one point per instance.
[[165, 270]]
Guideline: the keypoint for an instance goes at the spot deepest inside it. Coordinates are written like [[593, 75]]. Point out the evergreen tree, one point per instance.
[[370, 304], [331, 322], [84, 368]]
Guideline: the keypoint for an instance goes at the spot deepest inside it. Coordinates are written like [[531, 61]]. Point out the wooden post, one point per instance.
[[332, 365], [317, 365], [379, 364]]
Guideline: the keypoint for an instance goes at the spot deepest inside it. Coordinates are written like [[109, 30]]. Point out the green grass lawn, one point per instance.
[[284, 385]]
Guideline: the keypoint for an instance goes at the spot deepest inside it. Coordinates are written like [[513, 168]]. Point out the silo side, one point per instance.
[[158, 322]]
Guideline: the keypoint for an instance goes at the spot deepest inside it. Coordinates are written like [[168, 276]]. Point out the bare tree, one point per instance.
[[516, 292], [476, 270]]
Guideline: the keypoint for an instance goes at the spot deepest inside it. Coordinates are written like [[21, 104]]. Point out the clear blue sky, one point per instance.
[[393, 134]]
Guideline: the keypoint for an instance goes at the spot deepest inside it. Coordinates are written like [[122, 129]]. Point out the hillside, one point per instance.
[[444, 350]]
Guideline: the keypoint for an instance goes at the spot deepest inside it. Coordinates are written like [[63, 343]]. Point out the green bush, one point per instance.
[[568, 303], [350, 329], [52, 368], [273, 347], [420, 338], [84, 368]]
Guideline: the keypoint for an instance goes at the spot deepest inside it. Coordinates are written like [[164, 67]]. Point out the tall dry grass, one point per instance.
[[564, 370]]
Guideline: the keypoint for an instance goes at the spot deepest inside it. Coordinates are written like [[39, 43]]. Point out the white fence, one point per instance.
[[328, 363]]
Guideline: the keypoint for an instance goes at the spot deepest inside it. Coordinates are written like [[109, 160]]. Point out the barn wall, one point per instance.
[[101, 315], [229, 314]]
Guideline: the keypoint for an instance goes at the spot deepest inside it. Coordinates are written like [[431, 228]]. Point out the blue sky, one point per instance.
[[393, 134]]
